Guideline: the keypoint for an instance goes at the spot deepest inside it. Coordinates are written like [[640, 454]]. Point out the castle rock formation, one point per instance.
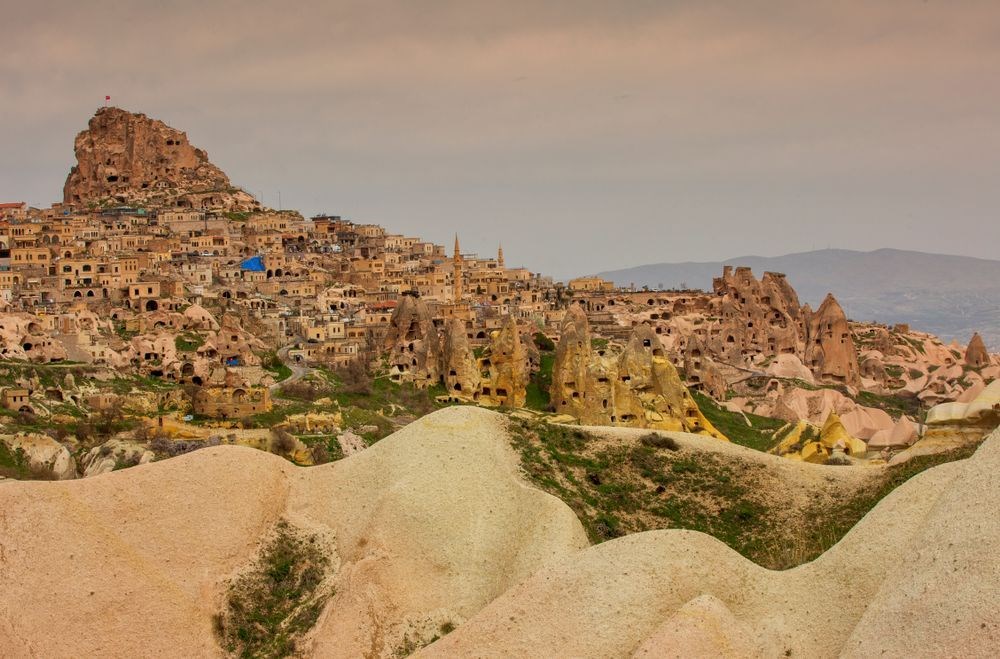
[[129, 158]]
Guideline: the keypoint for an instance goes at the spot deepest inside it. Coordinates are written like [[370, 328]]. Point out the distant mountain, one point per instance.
[[951, 296]]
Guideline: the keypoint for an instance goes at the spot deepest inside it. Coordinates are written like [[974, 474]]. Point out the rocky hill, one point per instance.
[[129, 158], [432, 539], [951, 296]]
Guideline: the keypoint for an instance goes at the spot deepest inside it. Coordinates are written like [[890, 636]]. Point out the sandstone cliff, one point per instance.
[[635, 385]]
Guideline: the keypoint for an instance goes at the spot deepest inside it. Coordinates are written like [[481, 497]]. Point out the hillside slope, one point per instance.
[[951, 296], [918, 576], [419, 532], [433, 532]]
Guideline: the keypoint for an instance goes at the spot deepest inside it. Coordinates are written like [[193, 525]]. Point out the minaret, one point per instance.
[[500, 256], [457, 272]]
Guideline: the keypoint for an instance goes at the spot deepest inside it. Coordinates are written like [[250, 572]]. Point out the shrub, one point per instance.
[[302, 390], [84, 431], [58, 433], [543, 342], [283, 441], [656, 440], [838, 461], [320, 454], [355, 377], [271, 605]]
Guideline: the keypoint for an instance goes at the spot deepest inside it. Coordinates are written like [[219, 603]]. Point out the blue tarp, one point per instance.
[[253, 264]]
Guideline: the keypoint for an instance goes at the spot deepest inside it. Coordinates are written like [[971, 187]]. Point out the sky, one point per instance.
[[582, 135]]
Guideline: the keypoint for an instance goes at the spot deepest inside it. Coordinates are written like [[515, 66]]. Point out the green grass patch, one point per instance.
[[13, 463], [188, 342], [268, 608], [271, 362], [537, 392], [619, 488], [759, 435], [894, 404]]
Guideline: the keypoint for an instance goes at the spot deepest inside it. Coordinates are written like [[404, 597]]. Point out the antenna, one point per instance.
[[279, 200]]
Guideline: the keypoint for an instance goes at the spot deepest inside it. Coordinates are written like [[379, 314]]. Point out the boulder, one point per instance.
[[976, 355], [114, 454], [43, 454]]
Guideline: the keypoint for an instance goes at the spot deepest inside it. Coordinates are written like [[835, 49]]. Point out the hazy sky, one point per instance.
[[583, 135]]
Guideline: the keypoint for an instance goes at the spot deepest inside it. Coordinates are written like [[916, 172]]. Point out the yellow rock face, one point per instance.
[[803, 442], [635, 385]]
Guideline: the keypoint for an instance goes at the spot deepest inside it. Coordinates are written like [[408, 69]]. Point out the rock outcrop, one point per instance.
[[983, 410], [830, 350], [434, 526], [413, 344], [571, 369], [635, 385], [43, 454], [976, 355], [757, 317], [131, 158], [458, 364], [505, 368], [113, 454], [702, 372], [903, 434], [404, 520]]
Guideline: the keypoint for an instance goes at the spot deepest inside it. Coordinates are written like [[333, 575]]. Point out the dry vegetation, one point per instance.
[[270, 607], [619, 487]]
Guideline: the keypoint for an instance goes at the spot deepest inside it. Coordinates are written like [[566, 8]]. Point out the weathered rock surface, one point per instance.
[[410, 551], [413, 344], [43, 454], [635, 385], [112, 454], [458, 364], [984, 410], [679, 593], [505, 368], [976, 354], [830, 350], [131, 158], [573, 360], [431, 523]]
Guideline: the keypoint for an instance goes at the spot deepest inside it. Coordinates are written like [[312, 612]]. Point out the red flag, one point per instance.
[[107, 98]]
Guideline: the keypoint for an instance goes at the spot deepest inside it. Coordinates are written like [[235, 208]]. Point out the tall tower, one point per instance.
[[500, 256], [457, 272]]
